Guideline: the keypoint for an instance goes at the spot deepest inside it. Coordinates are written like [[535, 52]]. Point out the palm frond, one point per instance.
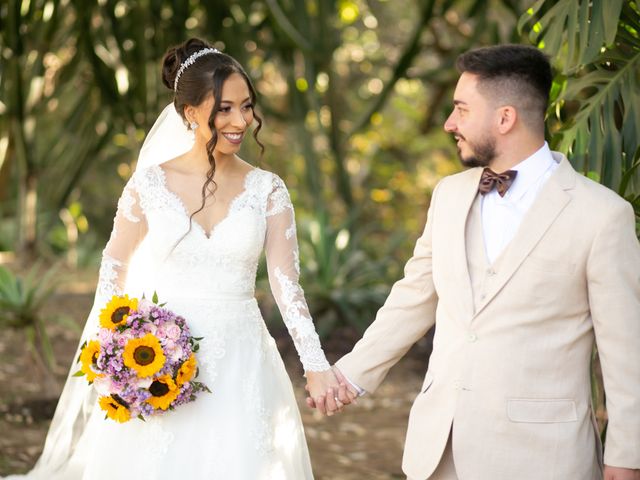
[[604, 135], [584, 26]]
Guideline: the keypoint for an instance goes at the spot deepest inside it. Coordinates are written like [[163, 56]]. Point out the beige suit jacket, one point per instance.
[[511, 377]]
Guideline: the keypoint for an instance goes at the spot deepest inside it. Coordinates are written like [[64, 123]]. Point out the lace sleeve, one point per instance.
[[283, 265], [129, 228]]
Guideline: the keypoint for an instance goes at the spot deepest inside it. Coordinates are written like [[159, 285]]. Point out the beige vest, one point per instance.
[[481, 272]]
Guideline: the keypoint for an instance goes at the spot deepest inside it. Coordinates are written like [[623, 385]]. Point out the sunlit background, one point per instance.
[[354, 94]]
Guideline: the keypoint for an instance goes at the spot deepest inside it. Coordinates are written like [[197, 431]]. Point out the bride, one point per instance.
[[198, 218]]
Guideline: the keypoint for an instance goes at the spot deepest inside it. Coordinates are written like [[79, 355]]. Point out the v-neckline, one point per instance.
[[208, 235]]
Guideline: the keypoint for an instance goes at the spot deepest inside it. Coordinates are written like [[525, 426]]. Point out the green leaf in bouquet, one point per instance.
[[84, 344], [154, 299], [79, 373], [141, 417]]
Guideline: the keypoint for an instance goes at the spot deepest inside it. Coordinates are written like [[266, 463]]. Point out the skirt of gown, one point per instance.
[[247, 428]]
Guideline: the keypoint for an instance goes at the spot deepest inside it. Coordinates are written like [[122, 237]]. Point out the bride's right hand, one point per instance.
[[320, 386], [323, 388]]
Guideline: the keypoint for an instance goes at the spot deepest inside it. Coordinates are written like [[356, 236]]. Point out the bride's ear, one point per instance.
[[190, 113]]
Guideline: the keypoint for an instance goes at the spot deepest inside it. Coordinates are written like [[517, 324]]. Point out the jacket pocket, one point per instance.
[[533, 410], [428, 380]]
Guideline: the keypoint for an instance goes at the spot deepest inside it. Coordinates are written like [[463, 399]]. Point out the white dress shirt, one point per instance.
[[501, 216]]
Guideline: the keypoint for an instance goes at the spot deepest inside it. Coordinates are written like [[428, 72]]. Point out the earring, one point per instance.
[[193, 125]]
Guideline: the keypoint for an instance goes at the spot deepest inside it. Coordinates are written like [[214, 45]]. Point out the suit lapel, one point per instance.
[[552, 199], [465, 194]]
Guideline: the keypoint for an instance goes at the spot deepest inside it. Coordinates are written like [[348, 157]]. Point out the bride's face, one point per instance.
[[233, 119]]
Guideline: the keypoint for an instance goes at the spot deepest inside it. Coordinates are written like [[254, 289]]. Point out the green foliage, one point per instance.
[[345, 283], [353, 93], [582, 26], [80, 85], [21, 303], [595, 115]]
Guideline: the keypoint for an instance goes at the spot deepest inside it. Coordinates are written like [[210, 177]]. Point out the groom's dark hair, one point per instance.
[[516, 75]]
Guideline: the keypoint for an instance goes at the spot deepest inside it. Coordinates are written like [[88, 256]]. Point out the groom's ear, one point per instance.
[[507, 116]]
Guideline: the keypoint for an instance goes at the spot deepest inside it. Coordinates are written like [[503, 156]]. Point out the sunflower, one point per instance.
[[88, 358], [144, 355], [117, 311], [187, 370], [116, 408], [164, 391]]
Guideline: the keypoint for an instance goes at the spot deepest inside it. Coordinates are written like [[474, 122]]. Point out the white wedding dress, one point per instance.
[[249, 426]]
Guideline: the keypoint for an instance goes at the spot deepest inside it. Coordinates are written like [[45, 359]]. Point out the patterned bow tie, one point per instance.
[[501, 181]]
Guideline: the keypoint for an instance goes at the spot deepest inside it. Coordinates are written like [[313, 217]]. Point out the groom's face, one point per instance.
[[471, 123]]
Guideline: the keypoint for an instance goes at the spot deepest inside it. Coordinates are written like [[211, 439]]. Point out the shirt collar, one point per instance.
[[529, 172]]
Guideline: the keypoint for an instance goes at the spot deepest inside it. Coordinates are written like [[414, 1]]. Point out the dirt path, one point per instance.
[[364, 442]]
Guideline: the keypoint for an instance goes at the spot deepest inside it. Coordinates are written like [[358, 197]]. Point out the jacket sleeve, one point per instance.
[[407, 314], [613, 280]]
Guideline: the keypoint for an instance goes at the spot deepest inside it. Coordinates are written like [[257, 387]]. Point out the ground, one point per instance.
[[363, 442]]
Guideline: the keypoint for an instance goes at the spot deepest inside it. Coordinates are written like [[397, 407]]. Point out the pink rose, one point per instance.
[[172, 331], [105, 335], [144, 305]]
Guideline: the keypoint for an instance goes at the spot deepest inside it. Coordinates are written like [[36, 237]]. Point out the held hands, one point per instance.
[[619, 473], [329, 391]]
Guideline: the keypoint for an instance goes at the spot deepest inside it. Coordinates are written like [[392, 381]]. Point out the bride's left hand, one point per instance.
[[323, 389]]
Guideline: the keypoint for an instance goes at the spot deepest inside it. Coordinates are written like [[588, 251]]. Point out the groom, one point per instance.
[[521, 268]]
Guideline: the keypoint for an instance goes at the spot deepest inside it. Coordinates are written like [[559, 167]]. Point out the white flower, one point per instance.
[[145, 382], [104, 386], [176, 354], [144, 305]]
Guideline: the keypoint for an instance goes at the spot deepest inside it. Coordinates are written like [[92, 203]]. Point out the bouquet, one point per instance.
[[142, 360]]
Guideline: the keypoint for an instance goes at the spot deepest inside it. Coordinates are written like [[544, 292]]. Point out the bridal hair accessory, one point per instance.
[[190, 61], [141, 361]]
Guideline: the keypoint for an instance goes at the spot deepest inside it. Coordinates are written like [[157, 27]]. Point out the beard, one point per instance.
[[482, 153]]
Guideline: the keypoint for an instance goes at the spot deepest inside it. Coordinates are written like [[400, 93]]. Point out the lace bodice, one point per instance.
[[182, 261]]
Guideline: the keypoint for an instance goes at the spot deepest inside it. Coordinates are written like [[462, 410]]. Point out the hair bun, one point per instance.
[[174, 57]]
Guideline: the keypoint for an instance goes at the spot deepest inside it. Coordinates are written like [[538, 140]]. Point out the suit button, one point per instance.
[[472, 337], [457, 385], [483, 296], [491, 272]]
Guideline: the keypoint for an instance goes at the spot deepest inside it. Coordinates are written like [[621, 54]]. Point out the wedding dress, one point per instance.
[[249, 426]]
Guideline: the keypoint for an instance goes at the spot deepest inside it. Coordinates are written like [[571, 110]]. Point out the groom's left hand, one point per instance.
[[619, 473]]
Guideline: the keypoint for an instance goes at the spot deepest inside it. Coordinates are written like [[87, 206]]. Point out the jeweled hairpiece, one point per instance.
[[190, 61]]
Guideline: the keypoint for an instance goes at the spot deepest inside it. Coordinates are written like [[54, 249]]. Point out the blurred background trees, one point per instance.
[[354, 94]]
